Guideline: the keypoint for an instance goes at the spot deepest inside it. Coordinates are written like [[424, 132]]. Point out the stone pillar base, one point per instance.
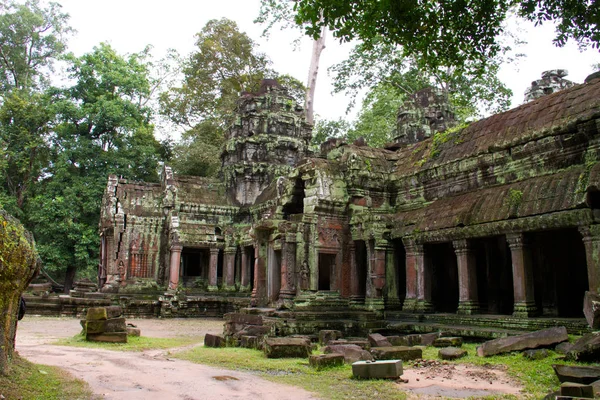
[[525, 309], [468, 307], [393, 304], [376, 304], [227, 288], [246, 289], [357, 300], [423, 306], [409, 305], [211, 288]]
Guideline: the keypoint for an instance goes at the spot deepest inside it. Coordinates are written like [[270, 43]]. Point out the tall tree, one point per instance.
[[102, 128], [31, 38]]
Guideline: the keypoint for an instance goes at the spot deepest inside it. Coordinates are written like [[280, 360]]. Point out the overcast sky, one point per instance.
[[130, 25]]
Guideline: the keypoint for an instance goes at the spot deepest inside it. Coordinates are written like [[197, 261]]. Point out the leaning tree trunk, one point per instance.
[[18, 266], [318, 46]]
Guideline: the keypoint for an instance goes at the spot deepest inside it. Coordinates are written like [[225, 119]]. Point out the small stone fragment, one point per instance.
[[537, 354], [378, 340], [448, 342], [320, 361], [451, 353]]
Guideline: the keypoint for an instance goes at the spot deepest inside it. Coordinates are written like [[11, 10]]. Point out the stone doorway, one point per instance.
[[494, 275], [273, 274], [362, 265], [441, 261], [296, 205], [400, 270], [559, 272], [327, 270], [194, 266]]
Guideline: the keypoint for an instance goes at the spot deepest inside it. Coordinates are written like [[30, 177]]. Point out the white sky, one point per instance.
[[130, 25]]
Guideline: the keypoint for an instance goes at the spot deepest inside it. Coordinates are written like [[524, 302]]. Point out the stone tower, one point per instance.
[[267, 139]]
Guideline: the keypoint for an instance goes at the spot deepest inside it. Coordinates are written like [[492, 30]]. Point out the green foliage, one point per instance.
[[514, 199], [31, 38], [445, 33], [325, 129], [28, 381]]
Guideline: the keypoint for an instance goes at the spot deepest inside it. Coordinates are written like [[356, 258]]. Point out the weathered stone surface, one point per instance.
[[244, 319], [591, 309], [134, 331], [287, 348], [451, 353], [96, 314], [448, 342], [542, 338], [563, 348], [596, 387], [576, 373], [109, 337], [114, 312], [351, 352], [251, 342], [552, 81], [327, 335], [326, 360], [573, 389], [363, 344], [387, 369], [253, 330], [403, 353], [378, 340], [425, 339], [211, 340], [536, 354], [587, 348]]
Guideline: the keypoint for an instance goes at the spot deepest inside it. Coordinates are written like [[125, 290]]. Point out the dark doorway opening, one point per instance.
[[559, 272], [362, 265], [441, 260], [494, 275], [400, 268], [326, 270], [220, 268], [296, 205], [194, 264]]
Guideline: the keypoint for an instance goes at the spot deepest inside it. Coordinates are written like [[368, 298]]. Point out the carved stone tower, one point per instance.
[[268, 139]]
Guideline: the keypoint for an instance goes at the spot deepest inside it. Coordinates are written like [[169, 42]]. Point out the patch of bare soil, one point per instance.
[[441, 379]]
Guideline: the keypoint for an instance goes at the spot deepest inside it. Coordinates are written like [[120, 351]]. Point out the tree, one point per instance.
[[102, 128], [446, 33], [31, 38]]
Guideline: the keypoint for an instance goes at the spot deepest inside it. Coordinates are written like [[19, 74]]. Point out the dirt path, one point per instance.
[[147, 375], [152, 375]]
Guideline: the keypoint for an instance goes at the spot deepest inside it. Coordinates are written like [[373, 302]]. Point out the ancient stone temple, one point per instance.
[[498, 218]]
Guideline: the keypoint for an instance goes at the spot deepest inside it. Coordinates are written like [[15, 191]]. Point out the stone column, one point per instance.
[[467, 277], [377, 279], [174, 265], [288, 268], [229, 261], [522, 276], [412, 251], [355, 296], [392, 301], [245, 279], [259, 289], [423, 272], [591, 241], [212, 270]]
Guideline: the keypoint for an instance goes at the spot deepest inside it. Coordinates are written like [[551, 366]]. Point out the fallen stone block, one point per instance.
[[243, 319], [587, 348], [114, 312], [563, 348], [578, 374], [573, 389], [591, 309], [387, 369], [96, 313], [425, 339], [448, 342], [378, 340], [536, 354], [211, 340], [451, 353], [251, 342], [105, 325], [596, 387], [363, 344], [542, 338], [320, 361], [351, 352], [403, 353], [110, 337], [287, 348], [327, 335], [134, 331], [253, 330]]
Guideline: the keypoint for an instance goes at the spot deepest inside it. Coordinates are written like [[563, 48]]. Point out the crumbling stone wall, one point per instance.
[[18, 266], [552, 81]]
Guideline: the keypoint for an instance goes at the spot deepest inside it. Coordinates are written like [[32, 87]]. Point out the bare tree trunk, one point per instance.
[[318, 46], [69, 278]]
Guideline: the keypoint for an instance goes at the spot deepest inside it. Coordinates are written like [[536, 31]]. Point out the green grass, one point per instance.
[[28, 381], [332, 383], [134, 343]]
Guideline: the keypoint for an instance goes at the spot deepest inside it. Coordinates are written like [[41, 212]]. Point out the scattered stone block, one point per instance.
[[326, 360], [425, 339], [96, 313], [403, 353], [363, 344], [536, 354], [110, 337], [327, 335], [451, 353], [250, 342], [211, 340], [351, 352], [591, 309], [542, 338], [134, 331], [563, 348], [577, 374], [448, 342], [387, 369], [113, 312], [254, 330], [587, 348], [596, 387], [244, 319], [573, 389], [287, 348], [378, 340]]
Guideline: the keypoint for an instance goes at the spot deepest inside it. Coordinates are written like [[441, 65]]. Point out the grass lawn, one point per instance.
[[134, 343]]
